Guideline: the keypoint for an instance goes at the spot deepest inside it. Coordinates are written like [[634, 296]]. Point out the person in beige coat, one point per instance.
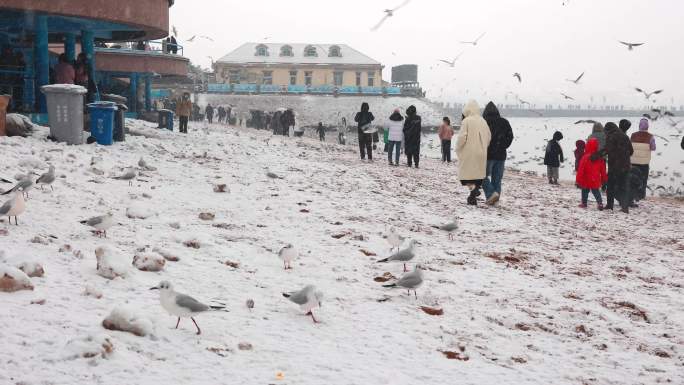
[[471, 149]]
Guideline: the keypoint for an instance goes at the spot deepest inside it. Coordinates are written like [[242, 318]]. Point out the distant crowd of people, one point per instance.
[[608, 161]]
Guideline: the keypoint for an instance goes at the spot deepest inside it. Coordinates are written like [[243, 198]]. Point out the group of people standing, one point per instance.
[[608, 161], [481, 145], [223, 114]]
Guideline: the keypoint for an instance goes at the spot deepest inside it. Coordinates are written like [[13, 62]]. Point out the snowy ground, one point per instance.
[[535, 291]]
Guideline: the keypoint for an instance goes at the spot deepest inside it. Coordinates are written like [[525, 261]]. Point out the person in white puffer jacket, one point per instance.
[[395, 126]]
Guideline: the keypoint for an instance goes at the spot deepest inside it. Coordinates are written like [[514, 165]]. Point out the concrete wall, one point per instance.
[[132, 61], [321, 75]]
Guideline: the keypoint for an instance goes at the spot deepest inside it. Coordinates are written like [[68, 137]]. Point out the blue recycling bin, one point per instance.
[[102, 122], [166, 119]]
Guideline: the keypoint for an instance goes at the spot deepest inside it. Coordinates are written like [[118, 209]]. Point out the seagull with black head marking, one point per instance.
[[182, 305]]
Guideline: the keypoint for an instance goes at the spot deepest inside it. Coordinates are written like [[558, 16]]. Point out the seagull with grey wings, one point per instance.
[[100, 223], [648, 94], [14, 207], [451, 63], [630, 46], [518, 76], [577, 80], [47, 179], [307, 298], [389, 13], [403, 255], [410, 281], [24, 184], [182, 305], [449, 227], [474, 43]]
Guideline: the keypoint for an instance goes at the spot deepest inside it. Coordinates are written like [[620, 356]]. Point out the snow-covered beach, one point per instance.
[[533, 291]]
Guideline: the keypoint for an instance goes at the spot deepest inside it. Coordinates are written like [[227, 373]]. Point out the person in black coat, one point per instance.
[[502, 137], [364, 118], [553, 157], [209, 111], [619, 150], [412, 133]]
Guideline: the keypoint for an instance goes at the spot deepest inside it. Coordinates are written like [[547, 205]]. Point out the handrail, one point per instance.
[[156, 47]]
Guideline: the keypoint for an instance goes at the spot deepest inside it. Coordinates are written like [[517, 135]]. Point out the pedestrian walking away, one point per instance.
[[643, 144], [497, 152], [471, 149]]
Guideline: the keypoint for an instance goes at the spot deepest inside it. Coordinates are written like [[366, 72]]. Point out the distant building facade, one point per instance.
[[306, 65]]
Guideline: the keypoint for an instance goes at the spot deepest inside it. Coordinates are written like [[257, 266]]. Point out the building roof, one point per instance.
[[246, 54]]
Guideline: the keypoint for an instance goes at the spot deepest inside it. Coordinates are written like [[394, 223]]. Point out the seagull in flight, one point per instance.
[[451, 63], [518, 76], [201, 37], [586, 121], [389, 13], [648, 94], [576, 81], [474, 43], [630, 46], [567, 97]]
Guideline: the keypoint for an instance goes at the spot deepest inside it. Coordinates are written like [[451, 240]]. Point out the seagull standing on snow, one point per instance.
[[308, 299], [288, 254], [24, 185], [181, 305], [450, 227], [129, 175], [47, 179], [100, 223], [403, 255], [14, 206], [389, 13], [410, 281], [394, 239]]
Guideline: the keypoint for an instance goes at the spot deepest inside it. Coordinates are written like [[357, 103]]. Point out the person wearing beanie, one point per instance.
[[412, 133], [619, 150], [553, 157], [625, 125], [644, 144], [395, 135], [364, 118], [591, 174], [599, 133]]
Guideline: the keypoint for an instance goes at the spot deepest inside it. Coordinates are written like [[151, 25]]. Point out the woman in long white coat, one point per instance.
[[471, 149]]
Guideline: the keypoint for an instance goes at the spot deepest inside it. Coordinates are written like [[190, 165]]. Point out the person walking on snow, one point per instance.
[[445, 134], [364, 118], [553, 157], [183, 110], [321, 132], [502, 137], [209, 112], [591, 174], [395, 135], [412, 133], [471, 149]]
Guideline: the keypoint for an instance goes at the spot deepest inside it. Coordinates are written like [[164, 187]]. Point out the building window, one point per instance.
[[337, 77], [358, 79], [308, 77], [267, 77], [286, 50], [310, 51], [293, 78], [261, 50], [334, 51], [371, 79], [234, 77]]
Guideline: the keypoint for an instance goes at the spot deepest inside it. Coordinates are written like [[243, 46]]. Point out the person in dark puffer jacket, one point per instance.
[[502, 137], [619, 150], [553, 157]]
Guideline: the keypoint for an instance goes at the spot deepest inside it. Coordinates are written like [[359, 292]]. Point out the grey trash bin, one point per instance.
[[65, 112], [119, 116]]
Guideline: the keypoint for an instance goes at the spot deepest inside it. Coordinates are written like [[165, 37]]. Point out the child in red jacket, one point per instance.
[[591, 174]]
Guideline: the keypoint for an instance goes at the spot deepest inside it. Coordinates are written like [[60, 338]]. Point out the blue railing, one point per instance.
[[244, 88], [220, 87], [293, 89], [270, 89], [371, 90], [322, 89], [393, 91], [300, 89]]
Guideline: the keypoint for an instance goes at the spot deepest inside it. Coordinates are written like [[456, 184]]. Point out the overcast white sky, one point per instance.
[[542, 39]]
